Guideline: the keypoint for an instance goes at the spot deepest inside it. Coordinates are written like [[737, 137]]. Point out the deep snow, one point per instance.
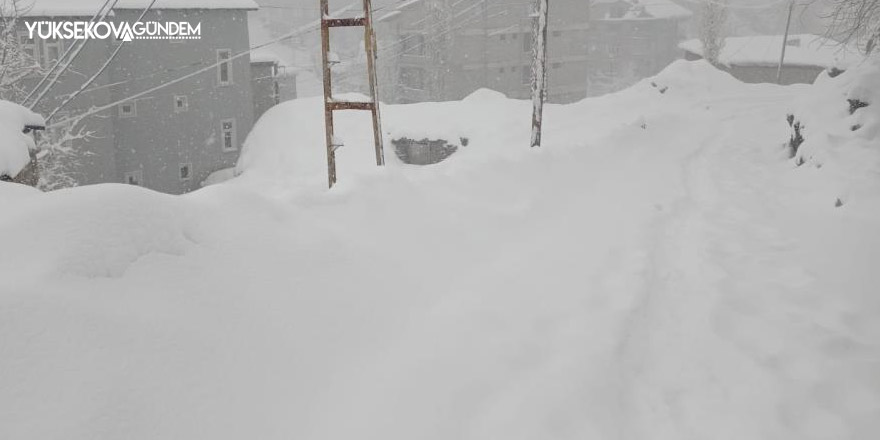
[[14, 144], [661, 269]]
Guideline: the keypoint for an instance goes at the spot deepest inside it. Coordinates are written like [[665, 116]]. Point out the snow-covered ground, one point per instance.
[[661, 269]]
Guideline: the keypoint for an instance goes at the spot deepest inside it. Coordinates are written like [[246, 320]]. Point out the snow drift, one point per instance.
[[839, 123], [653, 272]]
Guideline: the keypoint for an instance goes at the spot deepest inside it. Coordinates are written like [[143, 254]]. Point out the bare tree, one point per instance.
[[20, 69], [856, 22], [18, 56], [712, 28]]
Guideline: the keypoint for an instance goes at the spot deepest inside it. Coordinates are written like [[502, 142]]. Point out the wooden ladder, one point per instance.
[[330, 103]]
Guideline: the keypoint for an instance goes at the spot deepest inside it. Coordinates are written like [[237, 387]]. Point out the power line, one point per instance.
[[311, 27], [99, 71], [79, 45]]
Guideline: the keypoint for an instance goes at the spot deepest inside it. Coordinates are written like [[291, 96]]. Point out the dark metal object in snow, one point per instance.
[[30, 174], [855, 104], [330, 104], [425, 151]]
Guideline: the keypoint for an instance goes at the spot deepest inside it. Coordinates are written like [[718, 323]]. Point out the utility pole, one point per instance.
[[539, 69], [485, 18], [330, 103], [784, 43]]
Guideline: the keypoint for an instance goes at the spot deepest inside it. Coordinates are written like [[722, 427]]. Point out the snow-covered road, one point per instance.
[[654, 273]]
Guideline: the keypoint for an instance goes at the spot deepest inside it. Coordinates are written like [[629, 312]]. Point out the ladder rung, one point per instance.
[[342, 105], [343, 22]]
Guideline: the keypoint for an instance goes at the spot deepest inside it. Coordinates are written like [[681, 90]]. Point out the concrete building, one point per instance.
[[428, 53], [171, 138], [631, 40], [436, 50], [265, 80]]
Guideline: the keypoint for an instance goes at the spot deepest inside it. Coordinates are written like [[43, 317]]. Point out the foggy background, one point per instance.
[[299, 57]]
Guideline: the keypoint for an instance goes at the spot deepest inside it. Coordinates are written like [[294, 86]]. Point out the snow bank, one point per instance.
[[105, 228], [15, 145], [640, 276], [839, 120], [218, 177], [287, 143]]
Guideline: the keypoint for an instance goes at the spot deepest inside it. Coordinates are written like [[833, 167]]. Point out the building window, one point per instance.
[[503, 37], [527, 42], [181, 104], [613, 49], [501, 70], [526, 76], [413, 44], [27, 44], [557, 34], [556, 65], [51, 52], [224, 67], [134, 178], [227, 134], [185, 171], [412, 77], [127, 110]]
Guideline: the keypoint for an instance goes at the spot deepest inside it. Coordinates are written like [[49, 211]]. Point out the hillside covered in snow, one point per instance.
[[667, 266]]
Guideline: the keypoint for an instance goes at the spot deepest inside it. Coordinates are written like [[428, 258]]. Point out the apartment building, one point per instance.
[[181, 124], [436, 50], [442, 50]]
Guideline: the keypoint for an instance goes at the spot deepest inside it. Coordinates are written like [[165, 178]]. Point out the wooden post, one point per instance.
[[330, 104], [485, 17], [539, 70], [370, 50], [328, 93], [784, 43]]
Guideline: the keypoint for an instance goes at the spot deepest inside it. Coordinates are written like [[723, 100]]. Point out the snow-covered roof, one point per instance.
[[663, 9], [39, 8], [262, 38], [802, 50], [646, 9], [14, 144], [265, 55]]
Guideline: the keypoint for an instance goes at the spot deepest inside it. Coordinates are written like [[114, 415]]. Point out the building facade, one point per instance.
[[630, 40], [441, 50], [182, 125], [434, 50]]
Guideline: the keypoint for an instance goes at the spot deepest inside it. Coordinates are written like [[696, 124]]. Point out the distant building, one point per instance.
[[264, 79], [426, 53], [169, 139], [756, 59], [436, 50], [630, 40]]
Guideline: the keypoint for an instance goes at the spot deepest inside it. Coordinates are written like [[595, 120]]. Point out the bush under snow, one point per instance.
[[838, 124], [15, 145]]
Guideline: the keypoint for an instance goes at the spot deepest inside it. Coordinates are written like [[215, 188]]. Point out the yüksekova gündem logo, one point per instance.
[[124, 31]]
